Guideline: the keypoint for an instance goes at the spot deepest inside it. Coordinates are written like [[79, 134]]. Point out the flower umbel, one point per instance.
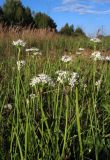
[[32, 96], [62, 76], [8, 106], [73, 79], [20, 64], [42, 79], [81, 49], [98, 83], [96, 56], [66, 58], [19, 43], [107, 58], [95, 40], [78, 52], [34, 51]]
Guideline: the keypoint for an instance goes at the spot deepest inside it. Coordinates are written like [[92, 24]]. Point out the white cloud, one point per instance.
[[103, 1], [83, 6], [79, 1], [71, 8], [68, 1]]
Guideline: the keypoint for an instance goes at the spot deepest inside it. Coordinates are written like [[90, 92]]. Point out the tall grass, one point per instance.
[[59, 122]]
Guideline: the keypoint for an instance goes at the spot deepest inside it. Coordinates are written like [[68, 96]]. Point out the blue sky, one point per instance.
[[88, 14]]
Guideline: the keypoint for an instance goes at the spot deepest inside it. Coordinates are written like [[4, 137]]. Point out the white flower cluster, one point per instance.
[[98, 83], [107, 58], [8, 106], [65, 76], [95, 40], [34, 51], [80, 50], [66, 58], [19, 43], [97, 56], [73, 79], [20, 64], [42, 79], [32, 96], [85, 86], [62, 76]]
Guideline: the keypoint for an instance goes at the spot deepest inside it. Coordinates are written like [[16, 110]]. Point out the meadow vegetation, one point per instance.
[[54, 107]]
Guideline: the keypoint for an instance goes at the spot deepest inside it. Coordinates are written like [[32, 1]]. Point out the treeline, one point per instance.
[[13, 13], [71, 31]]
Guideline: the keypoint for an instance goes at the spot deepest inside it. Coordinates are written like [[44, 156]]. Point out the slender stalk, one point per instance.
[[78, 125], [66, 127]]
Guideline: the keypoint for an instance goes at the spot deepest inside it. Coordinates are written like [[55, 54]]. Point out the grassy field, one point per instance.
[[57, 115]]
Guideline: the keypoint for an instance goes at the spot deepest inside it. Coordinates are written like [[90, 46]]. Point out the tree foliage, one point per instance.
[[1, 15], [79, 32], [16, 14], [44, 21], [28, 16], [67, 30]]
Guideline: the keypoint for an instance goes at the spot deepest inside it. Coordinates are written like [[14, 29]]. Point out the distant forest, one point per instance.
[[13, 13]]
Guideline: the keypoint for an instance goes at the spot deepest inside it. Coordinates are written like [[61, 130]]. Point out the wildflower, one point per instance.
[[98, 83], [35, 81], [107, 58], [85, 86], [37, 53], [95, 104], [66, 58], [65, 76], [62, 76], [42, 78], [32, 50], [20, 64], [96, 56], [19, 43], [60, 72], [27, 101], [8, 106], [73, 79], [32, 96], [81, 49], [95, 40], [78, 52]]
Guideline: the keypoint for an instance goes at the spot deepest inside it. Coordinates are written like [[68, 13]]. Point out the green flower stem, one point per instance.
[[19, 51]]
